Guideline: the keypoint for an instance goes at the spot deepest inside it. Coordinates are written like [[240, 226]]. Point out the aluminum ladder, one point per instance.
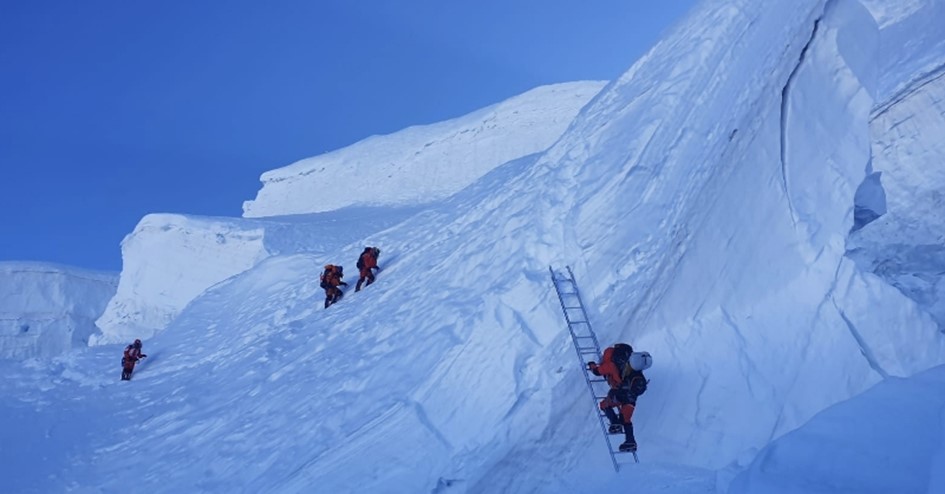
[[587, 348]]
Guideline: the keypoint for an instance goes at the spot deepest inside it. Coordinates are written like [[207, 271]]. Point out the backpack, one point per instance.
[[632, 372], [331, 271], [636, 382], [374, 251], [621, 355], [326, 274]]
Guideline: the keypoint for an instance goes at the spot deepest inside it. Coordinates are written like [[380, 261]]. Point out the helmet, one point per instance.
[[640, 361], [137, 342], [328, 266]]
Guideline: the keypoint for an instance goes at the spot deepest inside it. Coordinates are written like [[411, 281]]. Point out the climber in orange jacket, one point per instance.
[[366, 263], [331, 281], [130, 358], [623, 369]]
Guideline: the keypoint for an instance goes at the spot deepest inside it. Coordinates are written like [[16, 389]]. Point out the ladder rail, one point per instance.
[[577, 293], [583, 349]]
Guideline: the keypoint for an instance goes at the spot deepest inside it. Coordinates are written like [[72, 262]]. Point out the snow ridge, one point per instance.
[[423, 164]]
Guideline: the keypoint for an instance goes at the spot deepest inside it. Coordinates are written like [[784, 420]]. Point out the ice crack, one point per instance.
[[785, 109]]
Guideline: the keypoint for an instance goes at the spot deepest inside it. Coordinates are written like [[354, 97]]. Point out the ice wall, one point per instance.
[[46, 309], [786, 305], [168, 260], [426, 163], [906, 244]]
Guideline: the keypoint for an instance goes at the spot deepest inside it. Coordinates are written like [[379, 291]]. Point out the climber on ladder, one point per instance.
[[621, 367], [623, 370]]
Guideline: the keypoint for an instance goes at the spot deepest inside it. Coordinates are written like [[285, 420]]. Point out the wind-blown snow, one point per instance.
[[422, 164], [704, 200], [47, 309]]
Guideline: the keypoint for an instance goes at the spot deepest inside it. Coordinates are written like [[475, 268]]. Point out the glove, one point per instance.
[[591, 364], [143, 355], [343, 283]]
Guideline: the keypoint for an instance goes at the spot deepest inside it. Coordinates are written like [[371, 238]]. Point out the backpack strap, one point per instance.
[[635, 383]]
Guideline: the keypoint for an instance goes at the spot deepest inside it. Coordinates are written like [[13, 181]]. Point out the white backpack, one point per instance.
[[640, 361]]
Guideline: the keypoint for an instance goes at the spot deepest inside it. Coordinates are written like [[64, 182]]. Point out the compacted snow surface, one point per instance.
[[740, 203]]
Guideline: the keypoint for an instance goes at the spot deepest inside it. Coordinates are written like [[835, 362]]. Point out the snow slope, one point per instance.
[[423, 163], [704, 200], [47, 309], [170, 259]]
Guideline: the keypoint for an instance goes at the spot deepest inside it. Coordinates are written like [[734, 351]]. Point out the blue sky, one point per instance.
[[113, 110]]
